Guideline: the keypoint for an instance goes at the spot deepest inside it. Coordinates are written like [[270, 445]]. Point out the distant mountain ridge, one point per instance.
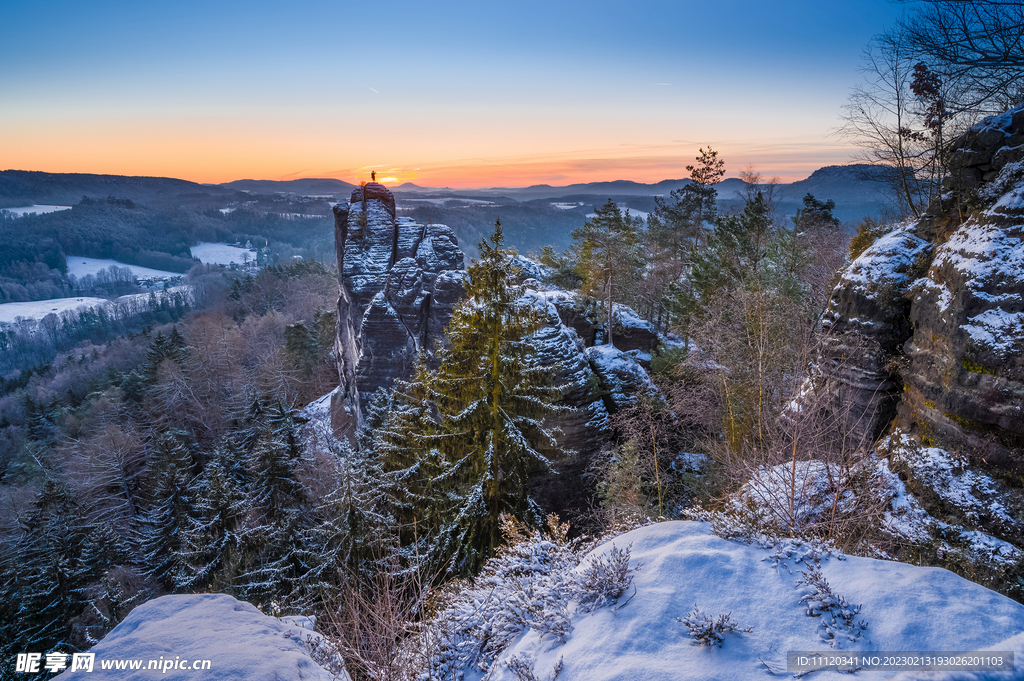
[[29, 187], [858, 190], [304, 186]]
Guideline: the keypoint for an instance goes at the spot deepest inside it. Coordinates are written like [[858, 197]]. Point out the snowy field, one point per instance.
[[81, 266], [37, 309], [123, 306], [633, 212], [35, 210], [222, 254]]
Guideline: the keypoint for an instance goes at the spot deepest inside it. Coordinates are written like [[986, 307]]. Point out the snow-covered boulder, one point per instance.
[[620, 374], [238, 640], [683, 566]]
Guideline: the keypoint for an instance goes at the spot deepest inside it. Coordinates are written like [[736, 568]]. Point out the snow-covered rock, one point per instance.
[[399, 283], [944, 512], [962, 515], [620, 374], [681, 565], [926, 333], [238, 640], [945, 292]]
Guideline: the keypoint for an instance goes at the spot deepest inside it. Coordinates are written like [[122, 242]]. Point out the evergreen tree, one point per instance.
[[170, 347], [272, 453], [43, 580], [737, 253], [678, 232], [684, 219], [349, 529], [208, 557], [163, 524], [404, 440], [301, 347], [608, 245], [477, 432], [269, 533]]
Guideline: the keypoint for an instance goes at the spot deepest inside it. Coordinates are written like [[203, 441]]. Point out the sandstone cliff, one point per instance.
[[927, 325], [926, 338], [399, 281]]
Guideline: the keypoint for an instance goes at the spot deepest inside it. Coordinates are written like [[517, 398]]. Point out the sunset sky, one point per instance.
[[452, 94]]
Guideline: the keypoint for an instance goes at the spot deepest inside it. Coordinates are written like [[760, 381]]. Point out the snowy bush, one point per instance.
[[808, 552], [522, 667], [838, 618], [531, 584], [604, 579], [325, 653], [745, 527], [707, 631]]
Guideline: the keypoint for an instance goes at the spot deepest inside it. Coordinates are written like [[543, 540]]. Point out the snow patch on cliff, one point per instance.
[[887, 262]]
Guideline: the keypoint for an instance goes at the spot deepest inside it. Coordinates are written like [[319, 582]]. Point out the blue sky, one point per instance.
[[457, 93]]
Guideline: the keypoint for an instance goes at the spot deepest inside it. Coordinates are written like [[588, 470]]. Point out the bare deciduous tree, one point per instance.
[[978, 44]]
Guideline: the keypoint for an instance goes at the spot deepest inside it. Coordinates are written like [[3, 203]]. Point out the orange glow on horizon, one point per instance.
[[462, 176], [215, 156]]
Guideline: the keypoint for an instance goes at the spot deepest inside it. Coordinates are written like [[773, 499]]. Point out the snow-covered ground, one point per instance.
[[633, 212], [38, 309], [35, 210], [239, 641], [781, 597], [123, 306], [81, 266], [222, 254], [683, 565]]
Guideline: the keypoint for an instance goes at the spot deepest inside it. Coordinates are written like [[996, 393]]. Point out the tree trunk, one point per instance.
[[609, 324]]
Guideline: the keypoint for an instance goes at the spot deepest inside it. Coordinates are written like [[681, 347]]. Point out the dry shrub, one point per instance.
[[373, 619]]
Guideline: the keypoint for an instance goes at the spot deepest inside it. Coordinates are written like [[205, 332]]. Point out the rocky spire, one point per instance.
[[399, 282]]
